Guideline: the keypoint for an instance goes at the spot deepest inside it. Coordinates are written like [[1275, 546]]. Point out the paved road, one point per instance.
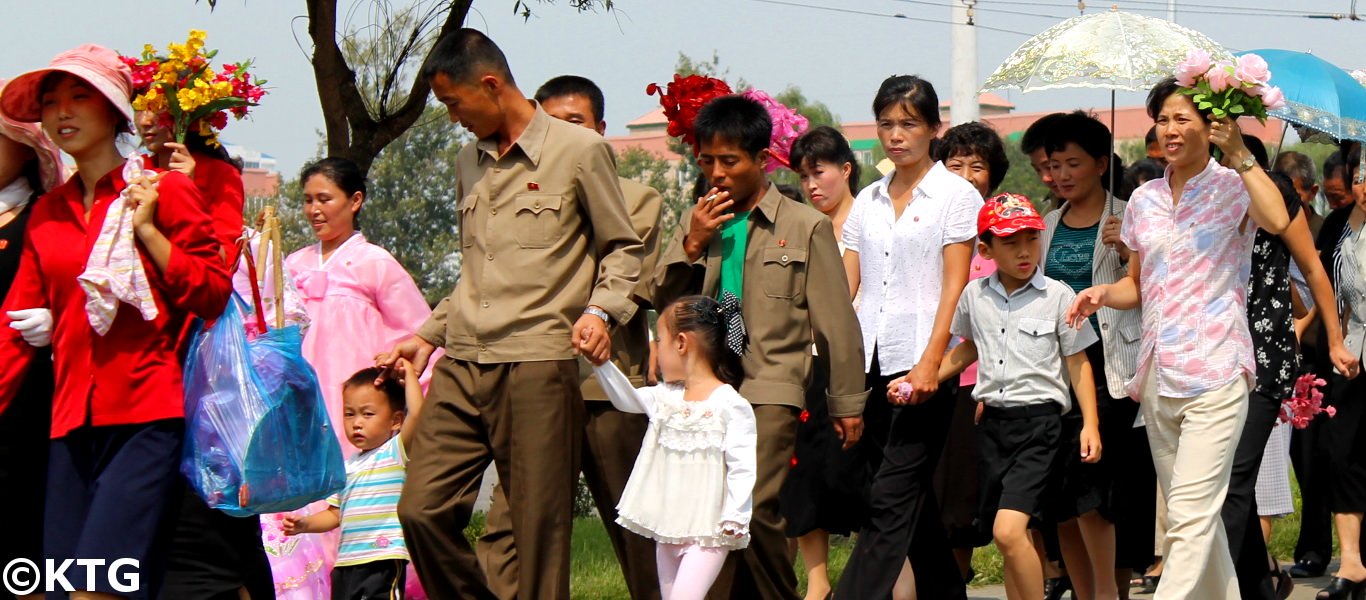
[[1305, 589]]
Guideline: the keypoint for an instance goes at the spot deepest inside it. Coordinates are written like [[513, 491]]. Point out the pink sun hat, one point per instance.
[[31, 135], [96, 65]]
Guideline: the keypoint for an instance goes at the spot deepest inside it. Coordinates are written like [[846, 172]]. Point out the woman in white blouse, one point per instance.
[[908, 245]]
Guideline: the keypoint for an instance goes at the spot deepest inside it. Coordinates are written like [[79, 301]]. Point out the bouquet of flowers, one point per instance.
[[1306, 403], [788, 125], [682, 100], [185, 92], [1232, 90], [684, 97]]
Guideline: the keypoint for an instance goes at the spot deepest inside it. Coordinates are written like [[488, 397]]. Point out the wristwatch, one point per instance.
[[599, 313], [1247, 164]]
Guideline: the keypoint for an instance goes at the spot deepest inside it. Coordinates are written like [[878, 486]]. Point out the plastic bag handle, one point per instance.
[[245, 254]]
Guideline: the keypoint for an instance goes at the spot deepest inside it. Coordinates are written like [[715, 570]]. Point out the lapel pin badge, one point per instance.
[[533, 186], [782, 243]]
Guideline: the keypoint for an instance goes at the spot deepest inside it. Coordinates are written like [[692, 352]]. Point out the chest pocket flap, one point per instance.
[[783, 271], [1037, 327], [537, 218]]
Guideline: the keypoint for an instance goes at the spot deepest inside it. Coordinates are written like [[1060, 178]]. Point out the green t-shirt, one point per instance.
[[734, 239]]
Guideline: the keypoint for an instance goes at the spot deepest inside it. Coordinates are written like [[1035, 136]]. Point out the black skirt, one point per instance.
[[1346, 445], [25, 432], [827, 487]]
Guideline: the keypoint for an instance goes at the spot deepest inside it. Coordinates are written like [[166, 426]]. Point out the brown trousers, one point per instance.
[[527, 418], [611, 442], [764, 570]]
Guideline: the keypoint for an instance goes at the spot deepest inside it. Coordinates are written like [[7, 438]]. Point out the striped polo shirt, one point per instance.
[[369, 506]]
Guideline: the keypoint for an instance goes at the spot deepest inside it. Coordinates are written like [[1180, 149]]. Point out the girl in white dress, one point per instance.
[[692, 485]]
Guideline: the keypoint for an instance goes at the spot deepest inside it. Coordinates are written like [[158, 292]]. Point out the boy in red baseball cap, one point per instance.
[[1012, 324]]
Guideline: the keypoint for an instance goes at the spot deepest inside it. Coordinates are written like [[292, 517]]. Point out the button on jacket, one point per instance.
[[131, 374], [794, 292], [531, 223]]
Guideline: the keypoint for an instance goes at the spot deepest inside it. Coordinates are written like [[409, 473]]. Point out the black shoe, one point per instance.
[[972, 574], [1150, 584], [1305, 569], [1053, 589], [1285, 585], [1343, 589]]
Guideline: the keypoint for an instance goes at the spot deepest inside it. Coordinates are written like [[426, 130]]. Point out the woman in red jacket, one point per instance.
[[118, 410]]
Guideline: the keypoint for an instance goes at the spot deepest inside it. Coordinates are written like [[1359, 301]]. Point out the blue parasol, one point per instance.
[[1318, 94]]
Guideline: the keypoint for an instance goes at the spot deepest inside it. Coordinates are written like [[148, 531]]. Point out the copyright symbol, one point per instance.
[[21, 577]]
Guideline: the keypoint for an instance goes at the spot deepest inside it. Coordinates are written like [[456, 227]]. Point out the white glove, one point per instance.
[[34, 324]]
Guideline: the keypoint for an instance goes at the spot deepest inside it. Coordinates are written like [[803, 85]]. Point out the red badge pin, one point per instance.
[[782, 243], [4, 244], [533, 186]]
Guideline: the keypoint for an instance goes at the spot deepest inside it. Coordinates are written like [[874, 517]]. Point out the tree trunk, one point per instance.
[[351, 131]]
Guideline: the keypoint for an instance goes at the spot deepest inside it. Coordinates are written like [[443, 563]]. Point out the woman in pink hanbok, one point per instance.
[[360, 302]]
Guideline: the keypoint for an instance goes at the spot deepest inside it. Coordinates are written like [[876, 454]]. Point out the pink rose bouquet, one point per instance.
[[1306, 403], [788, 125], [1229, 90]]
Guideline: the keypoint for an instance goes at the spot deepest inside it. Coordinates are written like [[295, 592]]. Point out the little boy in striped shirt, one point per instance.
[[379, 421]]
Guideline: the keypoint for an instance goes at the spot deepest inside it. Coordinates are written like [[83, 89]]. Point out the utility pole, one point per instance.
[[1171, 10], [963, 41]]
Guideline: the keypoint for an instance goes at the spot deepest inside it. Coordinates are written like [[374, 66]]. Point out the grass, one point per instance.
[[595, 574]]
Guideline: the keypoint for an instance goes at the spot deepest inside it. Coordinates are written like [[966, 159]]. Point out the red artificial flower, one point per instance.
[[683, 99], [793, 461], [806, 415]]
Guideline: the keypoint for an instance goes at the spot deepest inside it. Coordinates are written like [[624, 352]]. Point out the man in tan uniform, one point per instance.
[[612, 438], [539, 201], [783, 265]]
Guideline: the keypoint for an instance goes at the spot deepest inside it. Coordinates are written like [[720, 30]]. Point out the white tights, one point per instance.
[[686, 571]]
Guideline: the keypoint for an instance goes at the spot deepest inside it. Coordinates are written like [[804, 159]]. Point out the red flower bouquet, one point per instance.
[[1306, 403], [682, 100], [185, 92]]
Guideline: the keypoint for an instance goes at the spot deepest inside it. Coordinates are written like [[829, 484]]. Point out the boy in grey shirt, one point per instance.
[[1012, 323]]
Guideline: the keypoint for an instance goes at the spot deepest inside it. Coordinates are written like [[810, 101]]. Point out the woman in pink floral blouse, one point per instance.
[[1192, 231]]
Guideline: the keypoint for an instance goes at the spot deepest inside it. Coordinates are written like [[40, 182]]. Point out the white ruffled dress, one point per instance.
[[695, 473]]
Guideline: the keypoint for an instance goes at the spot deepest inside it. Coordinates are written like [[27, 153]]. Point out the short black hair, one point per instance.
[[1145, 170], [986, 236], [570, 85], [734, 119], [912, 91], [976, 139], [1165, 89], [1150, 138], [1351, 162], [392, 386], [465, 55], [1034, 135], [1332, 164], [824, 144]]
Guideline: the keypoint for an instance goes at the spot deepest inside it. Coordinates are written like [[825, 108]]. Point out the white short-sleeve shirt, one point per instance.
[[901, 261]]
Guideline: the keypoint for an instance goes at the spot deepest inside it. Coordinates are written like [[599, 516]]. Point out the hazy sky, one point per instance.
[[838, 58]]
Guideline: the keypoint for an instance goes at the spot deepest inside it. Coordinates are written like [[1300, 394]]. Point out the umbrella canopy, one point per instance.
[[1318, 94], [1111, 50]]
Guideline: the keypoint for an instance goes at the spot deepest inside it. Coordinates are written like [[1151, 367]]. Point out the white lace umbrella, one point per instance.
[[1110, 50]]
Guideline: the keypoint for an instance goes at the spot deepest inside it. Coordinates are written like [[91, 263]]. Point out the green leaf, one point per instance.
[[1236, 109], [1206, 105]]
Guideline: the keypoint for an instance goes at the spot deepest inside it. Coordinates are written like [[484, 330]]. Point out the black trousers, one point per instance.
[[1315, 544], [904, 520], [1240, 506]]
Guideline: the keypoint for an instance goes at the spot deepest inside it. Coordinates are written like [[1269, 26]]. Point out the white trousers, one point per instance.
[[1192, 443]]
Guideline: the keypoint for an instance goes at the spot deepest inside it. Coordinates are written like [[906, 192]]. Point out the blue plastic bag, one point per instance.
[[258, 437]]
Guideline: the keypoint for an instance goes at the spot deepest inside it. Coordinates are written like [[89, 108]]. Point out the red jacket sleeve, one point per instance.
[[220, 185], [26, 291], [196, 278]]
